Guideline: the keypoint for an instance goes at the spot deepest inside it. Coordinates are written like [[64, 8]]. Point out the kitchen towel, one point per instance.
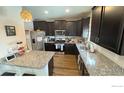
[[62, 47], [58, 46]]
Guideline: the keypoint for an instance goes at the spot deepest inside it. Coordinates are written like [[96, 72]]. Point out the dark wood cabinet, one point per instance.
[[74, 28], [85, 29], [36, 25], [51, 67], [70, 49], [51, 28], [50, 47], [107, 28], [48, 27], [96, 23], [79, 27], [111, 27], [82, 68], [41, 25], [60, 24], [71, 28]]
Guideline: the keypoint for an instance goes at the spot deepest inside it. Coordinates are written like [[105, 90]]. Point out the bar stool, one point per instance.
[[8, 74], [26, 74]]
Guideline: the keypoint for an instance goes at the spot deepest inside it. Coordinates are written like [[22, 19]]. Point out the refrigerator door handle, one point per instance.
[[33, 40]]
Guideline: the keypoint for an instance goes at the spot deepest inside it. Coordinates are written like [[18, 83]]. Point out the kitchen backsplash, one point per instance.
[[111, 55]]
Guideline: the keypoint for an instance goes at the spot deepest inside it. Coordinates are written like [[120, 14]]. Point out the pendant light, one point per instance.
[[26, 15]]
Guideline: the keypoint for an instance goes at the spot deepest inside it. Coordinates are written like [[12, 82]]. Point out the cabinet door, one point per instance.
[[83, 69], [51, 67], [60, 25], [79, 28], [68, 28], [71, 27], [49, 47], [41, 25], [111, 27], [36, 25], [96, 22], [50, 28], [86, 27], [63, 25], [57, 25], [70, 49]]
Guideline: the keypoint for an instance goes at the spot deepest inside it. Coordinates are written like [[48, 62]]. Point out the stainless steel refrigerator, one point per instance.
[[37, 40]]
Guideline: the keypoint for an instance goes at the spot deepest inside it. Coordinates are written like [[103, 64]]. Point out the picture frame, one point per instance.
[[10, 30]]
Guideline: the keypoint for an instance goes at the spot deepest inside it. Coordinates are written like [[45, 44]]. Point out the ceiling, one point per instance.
[[57, 12]]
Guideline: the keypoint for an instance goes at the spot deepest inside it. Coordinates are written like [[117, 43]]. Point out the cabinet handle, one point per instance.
[[97, 39]]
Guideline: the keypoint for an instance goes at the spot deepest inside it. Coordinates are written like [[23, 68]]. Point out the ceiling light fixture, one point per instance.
[[67, 10], [46, 12], [26, 15]]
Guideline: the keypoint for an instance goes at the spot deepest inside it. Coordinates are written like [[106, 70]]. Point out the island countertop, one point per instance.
[[99, 65], [32, 59]]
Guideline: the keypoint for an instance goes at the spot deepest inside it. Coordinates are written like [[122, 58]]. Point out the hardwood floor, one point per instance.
[[65, 65]]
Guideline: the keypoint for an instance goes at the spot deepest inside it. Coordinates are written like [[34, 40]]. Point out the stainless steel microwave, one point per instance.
[[59, 32]]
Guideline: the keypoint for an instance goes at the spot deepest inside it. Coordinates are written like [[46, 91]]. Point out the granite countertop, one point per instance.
[[32, 59], [99, 65]]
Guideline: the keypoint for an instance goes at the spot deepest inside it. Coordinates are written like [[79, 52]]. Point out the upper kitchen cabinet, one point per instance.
[[71, 28], [79, 28], [60, 24], [85, 27], [41, 25], [108, 29], [74, 28], [51, 28], [112, 27], [96, 23]]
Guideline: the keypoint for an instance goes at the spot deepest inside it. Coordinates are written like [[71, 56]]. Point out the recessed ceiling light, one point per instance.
[[46, 12], [67, 10]]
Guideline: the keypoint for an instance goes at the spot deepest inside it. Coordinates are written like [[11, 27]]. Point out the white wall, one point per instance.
[[111, 55], [10, 15]]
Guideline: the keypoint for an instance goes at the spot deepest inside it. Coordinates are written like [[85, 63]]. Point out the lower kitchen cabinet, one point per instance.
[[70, 49], [49, 47], [51, 67], [82, 68]]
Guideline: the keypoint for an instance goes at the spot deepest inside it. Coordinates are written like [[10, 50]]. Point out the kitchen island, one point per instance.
[[34, 62]]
